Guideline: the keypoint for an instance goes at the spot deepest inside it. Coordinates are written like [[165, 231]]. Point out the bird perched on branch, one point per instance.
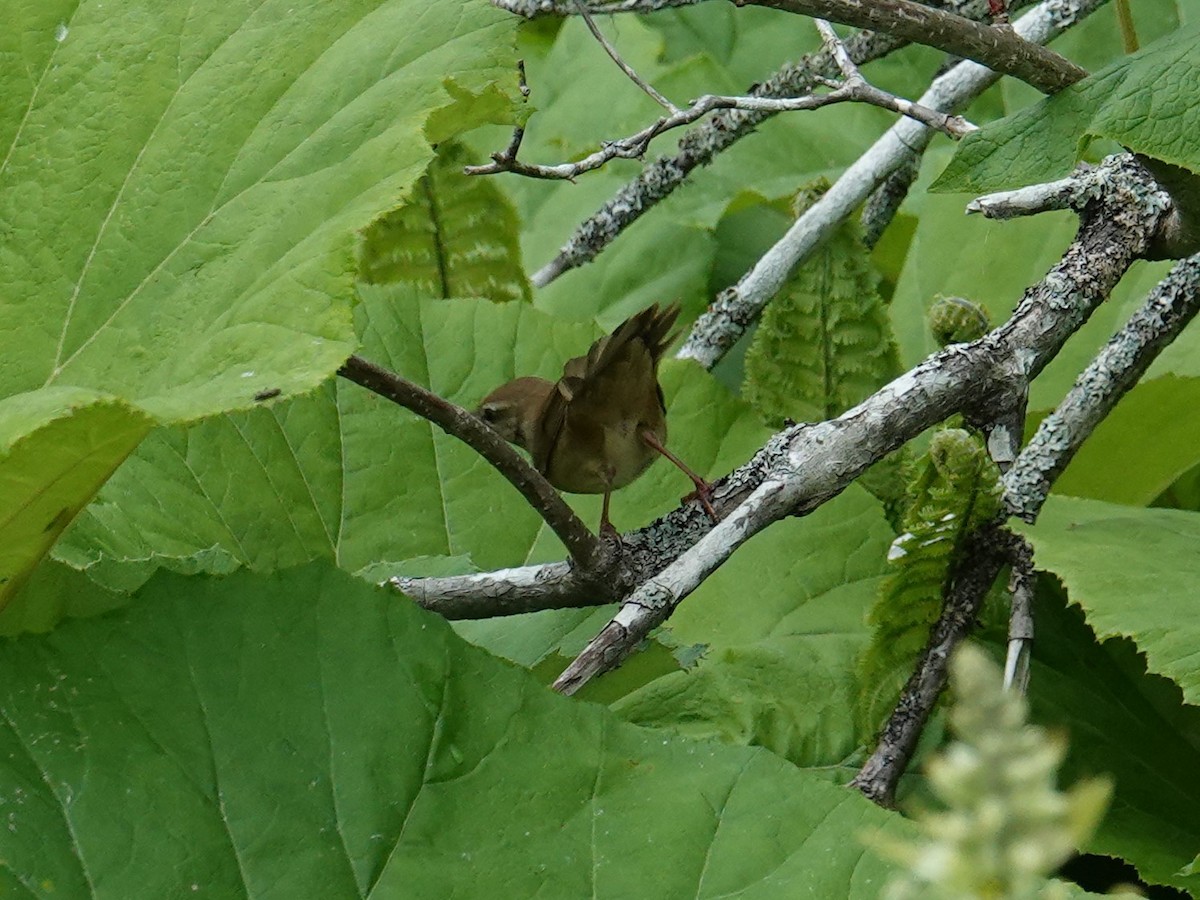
[[604, 422]]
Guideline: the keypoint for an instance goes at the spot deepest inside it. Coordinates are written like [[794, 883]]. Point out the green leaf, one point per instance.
[[455, 237], [180, 193], [1161, 409], [779, 668], [53, 592], [956, 488], [1145, 102], [57, 446], [405, 764], [342, 473], [1126, 723], [1134, 572], [786, 694]]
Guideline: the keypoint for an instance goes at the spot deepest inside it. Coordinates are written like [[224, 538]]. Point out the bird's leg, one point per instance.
[[606, 527], [703, 491]]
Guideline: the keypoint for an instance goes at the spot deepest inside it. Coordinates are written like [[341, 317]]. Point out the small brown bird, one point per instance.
[[604, 422]]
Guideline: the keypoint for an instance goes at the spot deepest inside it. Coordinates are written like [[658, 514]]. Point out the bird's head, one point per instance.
[[514, 408]]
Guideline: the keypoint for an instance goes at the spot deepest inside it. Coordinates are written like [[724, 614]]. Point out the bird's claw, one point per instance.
[[704, 494], [608, 532]]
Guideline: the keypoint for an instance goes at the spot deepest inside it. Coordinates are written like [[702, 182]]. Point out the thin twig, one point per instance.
[[1129, 38], [621, 64], [532, 9], [703, 142], [581, 544], [833, 44], [636, 145]]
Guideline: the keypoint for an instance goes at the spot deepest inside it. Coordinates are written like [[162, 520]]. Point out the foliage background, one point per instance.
[[196, 208]]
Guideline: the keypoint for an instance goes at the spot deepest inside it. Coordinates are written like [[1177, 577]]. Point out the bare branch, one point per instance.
[[835, 48], [1072, 192], [1002, 50], [1172, 304], [1022, 582], [583, 546], [559, 586], [505, 592], [735, 309], [532, 9], [698, 147], [1178, 237]]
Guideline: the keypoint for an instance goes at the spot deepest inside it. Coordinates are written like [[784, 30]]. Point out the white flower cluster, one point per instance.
[[1006, 826]]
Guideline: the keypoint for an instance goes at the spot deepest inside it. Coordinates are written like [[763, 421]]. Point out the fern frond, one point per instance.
[[955, 488], [456, 236]]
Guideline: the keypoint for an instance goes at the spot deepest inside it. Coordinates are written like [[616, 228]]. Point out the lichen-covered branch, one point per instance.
[[1172, 304], [984, 554], [727, 319], [817, 461]]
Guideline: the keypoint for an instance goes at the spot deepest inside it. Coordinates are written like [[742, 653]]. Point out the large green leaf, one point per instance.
[[1145, 102], [57, 446], [181, 185], [53, 592], [782, 624], [307, 735], [1126, 723], [342, 473], [1134, 572]]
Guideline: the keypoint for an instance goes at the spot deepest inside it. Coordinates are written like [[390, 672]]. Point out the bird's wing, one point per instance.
[[632, 351], [644, 334]]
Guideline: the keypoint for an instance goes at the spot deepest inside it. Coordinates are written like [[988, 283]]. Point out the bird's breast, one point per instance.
[[595, 460]]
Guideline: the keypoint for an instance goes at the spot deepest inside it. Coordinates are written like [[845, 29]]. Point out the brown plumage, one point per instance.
[[604, 421]]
